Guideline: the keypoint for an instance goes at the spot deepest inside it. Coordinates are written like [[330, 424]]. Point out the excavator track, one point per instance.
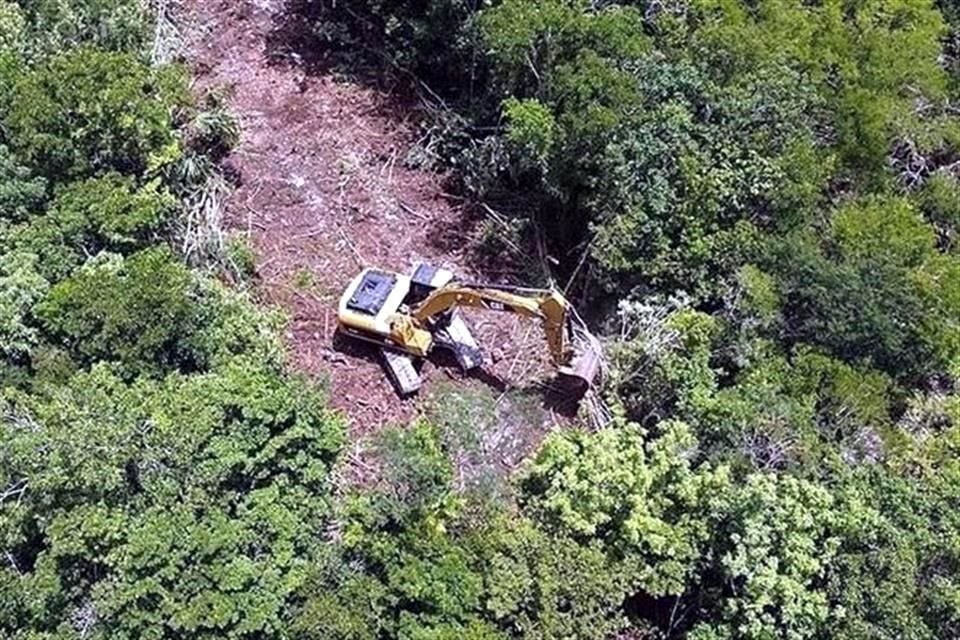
[[402, 371]]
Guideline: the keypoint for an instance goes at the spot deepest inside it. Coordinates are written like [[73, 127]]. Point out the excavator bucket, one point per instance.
[[587, 364], [585, 367]]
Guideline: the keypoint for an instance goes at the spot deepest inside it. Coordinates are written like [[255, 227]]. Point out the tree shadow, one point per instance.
[[472, 235], [562, 396], [320, 38], [316, 38], [295, 42]]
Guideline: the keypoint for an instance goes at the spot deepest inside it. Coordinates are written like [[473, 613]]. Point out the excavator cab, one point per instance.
[[408, 316]]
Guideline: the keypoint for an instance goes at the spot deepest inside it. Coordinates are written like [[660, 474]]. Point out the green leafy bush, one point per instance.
[[114, 25], [549, 586], [941, 204], [774, 548], [179, 508], [874, 289], [640, 500], [141, 312], [12, 27], [21, 193], [109, 213], [21, 287], [86, 112]]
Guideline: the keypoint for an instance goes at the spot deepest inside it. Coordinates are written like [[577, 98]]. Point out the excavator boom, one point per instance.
[[548, 306]]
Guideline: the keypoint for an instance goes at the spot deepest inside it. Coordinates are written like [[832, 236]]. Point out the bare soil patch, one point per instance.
[[324, 189]]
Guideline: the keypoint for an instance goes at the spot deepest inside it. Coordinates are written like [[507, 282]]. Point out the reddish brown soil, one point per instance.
[[324, 190]]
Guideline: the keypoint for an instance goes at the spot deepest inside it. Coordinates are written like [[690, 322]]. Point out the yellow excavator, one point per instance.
[[410, 315]]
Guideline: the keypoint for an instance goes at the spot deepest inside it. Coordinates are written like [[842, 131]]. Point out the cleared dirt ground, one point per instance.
[[323, 191]]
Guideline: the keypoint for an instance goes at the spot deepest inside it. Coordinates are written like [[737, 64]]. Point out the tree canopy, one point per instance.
[[758, 203]]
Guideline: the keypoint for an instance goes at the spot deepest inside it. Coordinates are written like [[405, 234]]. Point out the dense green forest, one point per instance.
[[758, 199]]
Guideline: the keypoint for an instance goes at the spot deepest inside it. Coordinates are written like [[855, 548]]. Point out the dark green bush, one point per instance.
[[20, 192], [141, 312], [873, 289], [87, 112], [55, 25]]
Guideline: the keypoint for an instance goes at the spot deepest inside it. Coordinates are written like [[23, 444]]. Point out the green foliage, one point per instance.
[[485, 433], [896, 526], [149, 314], [12, 27], [109, 213], [429, 38], [851, 54], [20, 192], [55, 25], [21, 287], [139, 312], [529, 41], [761, 420], [416, 475], [214, 130], [117, 212], [874, 289], [672, 139], [662, 359], [641, 499], [769, 410], [242, 257], [419, 582], [668, 162], [339, 603], [683, 183], [766, 192], [532, 128], [941, 204], [180, 508], [774, 548], [759, 299], [234, 326], [440, 572], [160, 476], [87, 112], [849, 399], [303, 279], [544, 586]]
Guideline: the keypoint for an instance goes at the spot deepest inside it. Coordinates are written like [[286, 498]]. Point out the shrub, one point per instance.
[[21, 193], [873, 289], [187, 507], [20, 288], [87, 112], [56, 25], [108, 213], [141, 312]]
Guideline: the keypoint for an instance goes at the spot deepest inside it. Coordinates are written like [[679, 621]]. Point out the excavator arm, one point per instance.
[[546, 305]]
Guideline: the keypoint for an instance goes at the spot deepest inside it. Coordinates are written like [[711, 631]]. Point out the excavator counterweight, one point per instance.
[[409, 316]]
